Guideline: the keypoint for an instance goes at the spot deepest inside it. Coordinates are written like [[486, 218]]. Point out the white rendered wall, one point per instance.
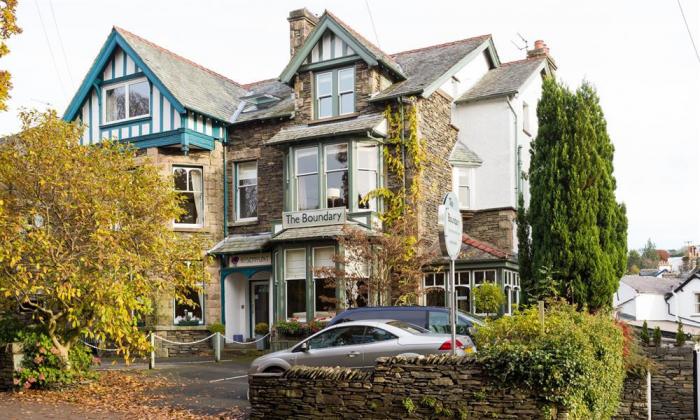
[[236, 300], [683, 302], [626, 294], [651, 307]]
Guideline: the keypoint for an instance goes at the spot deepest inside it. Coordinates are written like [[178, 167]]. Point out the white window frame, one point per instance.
[[286, 288], [434, 285], [327, 171], [237, 187], [126, 85], [319, 97], [470, 184], [203, 204], [202, 300], [361, 167], [317, 173], [340, 93]]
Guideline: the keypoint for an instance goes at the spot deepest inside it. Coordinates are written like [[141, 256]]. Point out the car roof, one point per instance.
[[397, 308], [364, 322]]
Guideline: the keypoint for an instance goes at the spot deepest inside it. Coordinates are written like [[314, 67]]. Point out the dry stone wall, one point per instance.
[[672, 383]]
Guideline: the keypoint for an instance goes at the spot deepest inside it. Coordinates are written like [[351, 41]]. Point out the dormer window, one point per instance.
[[128, 100], [462, 185], [335, 92]]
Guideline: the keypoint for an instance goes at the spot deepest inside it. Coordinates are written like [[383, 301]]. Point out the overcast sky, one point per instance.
[[637, 53]]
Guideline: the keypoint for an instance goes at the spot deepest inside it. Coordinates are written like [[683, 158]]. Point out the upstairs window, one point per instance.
[[188, 182], [307, 178], [126, 100], [367, 169], [462, 185], [246, 190], [526, 118], [337, 175], [335, 93]]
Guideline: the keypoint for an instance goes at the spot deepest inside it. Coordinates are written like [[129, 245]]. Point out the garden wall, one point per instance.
[[165, 349], [10, 359], [672, 383]]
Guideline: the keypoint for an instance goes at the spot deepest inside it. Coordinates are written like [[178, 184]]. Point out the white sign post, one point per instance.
[[450, 227]]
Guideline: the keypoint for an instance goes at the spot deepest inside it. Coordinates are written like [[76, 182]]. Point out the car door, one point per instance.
[[379, 343], [341, 346]]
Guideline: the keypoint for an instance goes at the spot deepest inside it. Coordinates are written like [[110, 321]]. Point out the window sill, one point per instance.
[[140, 118], [335, 118], [187, 228], [245, 222]]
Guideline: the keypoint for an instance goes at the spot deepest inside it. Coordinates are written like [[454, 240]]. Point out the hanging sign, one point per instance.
[[450, 226]]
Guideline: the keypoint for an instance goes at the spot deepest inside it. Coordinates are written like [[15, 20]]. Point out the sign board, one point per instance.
[[249, 260], [307, 218], [450, 226]]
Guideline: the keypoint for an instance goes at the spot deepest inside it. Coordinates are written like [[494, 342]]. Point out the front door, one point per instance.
[[260, 303]]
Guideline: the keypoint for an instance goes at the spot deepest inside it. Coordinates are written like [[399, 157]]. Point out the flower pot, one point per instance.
[[262, 344]]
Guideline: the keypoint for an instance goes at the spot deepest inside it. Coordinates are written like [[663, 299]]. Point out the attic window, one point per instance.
[[124, 101], [256, 102]]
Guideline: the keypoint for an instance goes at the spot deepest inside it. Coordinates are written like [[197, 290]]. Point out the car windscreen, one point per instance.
[[413, 329]]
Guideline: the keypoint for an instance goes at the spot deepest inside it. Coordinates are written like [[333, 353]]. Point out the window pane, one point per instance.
[[180, 175], [189, 205], [491, 276], [439, 279], [367, 157], [359, 293], [138, 99], [438, 322], [247, 173], [435, 297], [374, 335], [307, 192], [324, 84], [337, 189], [342, 336], [325, 296], [189, 314], [478, 277], [116, 105], [347, 103], [463, 299], [346, 80], [248, 202], [463, 177], [296, 299], [336, 157], [307, 160], [323, 257], [195, 180], [295, 264], [366, 182], [464, 196], [325, 107]]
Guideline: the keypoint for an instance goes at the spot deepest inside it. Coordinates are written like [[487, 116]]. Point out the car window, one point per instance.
[[341, 336], [439, 322], [413, 329], [375, 335]]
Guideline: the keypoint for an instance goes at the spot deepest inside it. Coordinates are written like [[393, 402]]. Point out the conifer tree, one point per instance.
[[524, 261], [578, 228]]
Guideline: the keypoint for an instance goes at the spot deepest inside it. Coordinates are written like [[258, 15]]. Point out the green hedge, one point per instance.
[[575, 362]]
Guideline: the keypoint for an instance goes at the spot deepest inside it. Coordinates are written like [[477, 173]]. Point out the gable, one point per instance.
[[329, 47]]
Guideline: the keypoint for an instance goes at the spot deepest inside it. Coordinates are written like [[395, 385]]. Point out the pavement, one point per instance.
[[202, 385]]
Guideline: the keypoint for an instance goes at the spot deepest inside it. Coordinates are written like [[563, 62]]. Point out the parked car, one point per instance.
[[357, 344], [433, 318]]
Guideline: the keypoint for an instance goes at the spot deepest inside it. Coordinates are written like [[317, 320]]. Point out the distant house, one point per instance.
[[653, 272], [661, 301]]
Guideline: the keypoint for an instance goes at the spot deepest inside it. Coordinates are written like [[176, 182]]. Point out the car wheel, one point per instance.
[[274, 369]]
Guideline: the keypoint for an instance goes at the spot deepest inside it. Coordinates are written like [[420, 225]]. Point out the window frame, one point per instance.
[[296, 176], [126, 84], [697, 303], [237, 188], [359, 167], [336, 93], [526, 118], [189, 168], [326, 171], [315, 278], [456, 185], [434, 286], [286, 284]]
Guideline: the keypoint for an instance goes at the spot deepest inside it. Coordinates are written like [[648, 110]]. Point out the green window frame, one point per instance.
[[334, 92]]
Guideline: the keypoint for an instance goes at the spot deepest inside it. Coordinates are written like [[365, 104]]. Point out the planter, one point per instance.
[[262, 344]]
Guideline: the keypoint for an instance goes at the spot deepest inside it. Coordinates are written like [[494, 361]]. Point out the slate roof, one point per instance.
[[280, 109], [654, 285], [425, 65], [361, 124], [195, 87], [462, 154], [504, 80], [314, 232], [241, 243]]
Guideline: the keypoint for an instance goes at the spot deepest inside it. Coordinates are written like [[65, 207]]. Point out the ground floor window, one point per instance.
[[359, 294], [190, 314], [511, 288], [325, 301], [434, 286], [295, 278]]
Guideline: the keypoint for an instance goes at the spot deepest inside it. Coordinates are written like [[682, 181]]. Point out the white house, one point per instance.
[[661, 301]]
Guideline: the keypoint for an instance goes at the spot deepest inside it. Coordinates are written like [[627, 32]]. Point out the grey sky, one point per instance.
[[637, 53]]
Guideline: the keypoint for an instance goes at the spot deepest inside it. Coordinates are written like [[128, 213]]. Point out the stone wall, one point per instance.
[[672, 383], [634, 403], [495, 226], [183, 335], [10, 359], [456, 384]]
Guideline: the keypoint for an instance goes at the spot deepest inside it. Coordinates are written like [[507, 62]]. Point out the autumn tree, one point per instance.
[[8, 27], [579, 230], [87, 246], [649, 256]]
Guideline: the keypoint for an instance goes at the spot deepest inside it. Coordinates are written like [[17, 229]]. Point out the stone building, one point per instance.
[[274, 170]]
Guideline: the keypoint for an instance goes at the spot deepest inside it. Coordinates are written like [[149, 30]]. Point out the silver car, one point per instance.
[[358, 344]]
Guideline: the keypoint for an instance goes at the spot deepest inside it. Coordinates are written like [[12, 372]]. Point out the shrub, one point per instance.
[[657, 337], [42, 367], [575, 361], [488, 298], [680, 336], [262, 328], [644, 335], [217, 327], [10, 328], [294, 328]]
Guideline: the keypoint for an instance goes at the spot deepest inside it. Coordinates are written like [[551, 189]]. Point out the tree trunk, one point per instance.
[[63, 351]]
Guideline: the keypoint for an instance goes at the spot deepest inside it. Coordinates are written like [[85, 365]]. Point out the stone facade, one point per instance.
[[672, 383], [458, 384], [495, 226]]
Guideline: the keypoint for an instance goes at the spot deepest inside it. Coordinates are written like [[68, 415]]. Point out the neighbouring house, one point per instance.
[[275, 169], [661, 301]]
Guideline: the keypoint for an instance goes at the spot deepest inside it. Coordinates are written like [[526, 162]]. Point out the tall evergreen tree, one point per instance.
[[578, 229], [524, 254]]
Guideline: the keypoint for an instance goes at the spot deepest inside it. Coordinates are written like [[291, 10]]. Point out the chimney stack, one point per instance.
[[301, 23], [542, 50]]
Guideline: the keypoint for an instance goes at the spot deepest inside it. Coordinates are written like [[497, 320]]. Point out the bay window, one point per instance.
[[295, 279], [307, 178], [335, 92], [337, 175], [189, 184], [126, 100], [246, 191], [324, 289], [367, 169]]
